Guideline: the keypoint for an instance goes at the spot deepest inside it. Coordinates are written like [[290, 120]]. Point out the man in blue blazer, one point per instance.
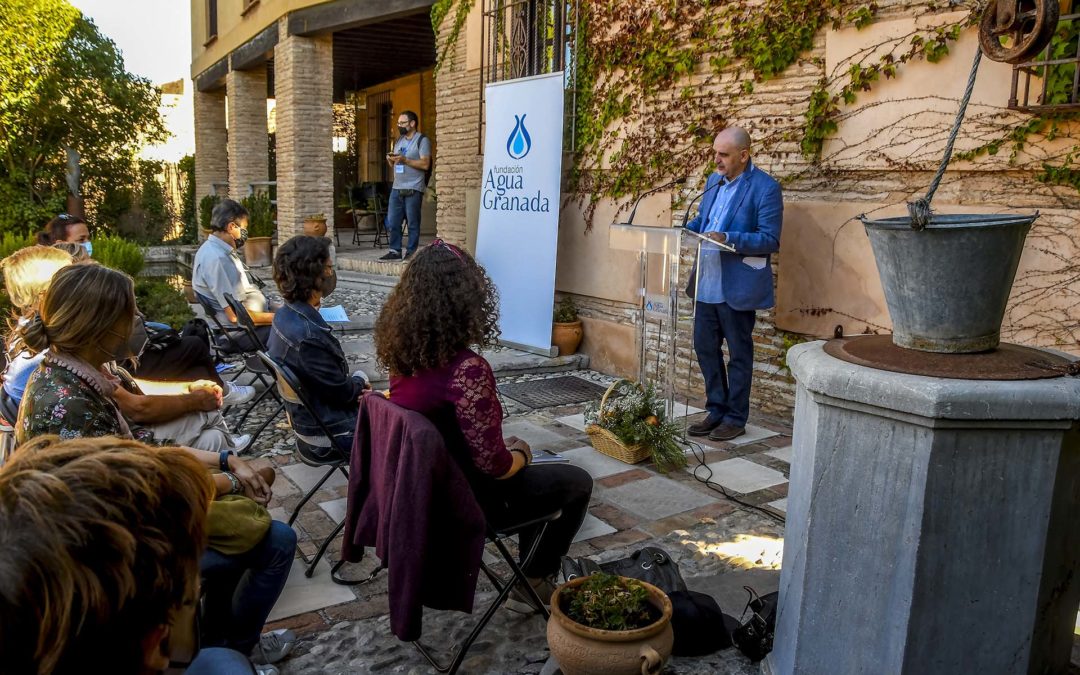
[[742, 208]]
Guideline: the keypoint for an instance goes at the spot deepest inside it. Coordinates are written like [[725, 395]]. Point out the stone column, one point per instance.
[[303, 88], [931, 523], [248, 141], [211, 142]]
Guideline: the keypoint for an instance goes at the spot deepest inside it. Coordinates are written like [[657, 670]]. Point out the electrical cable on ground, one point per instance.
[[699, 455]]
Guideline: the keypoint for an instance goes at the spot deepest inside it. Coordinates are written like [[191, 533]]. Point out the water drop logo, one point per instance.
[[519, 143]]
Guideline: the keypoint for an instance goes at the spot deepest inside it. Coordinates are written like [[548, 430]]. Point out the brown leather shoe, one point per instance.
[[726, 432], [702, 428]]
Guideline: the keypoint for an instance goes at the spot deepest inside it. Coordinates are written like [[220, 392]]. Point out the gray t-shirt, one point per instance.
[[406, 177]]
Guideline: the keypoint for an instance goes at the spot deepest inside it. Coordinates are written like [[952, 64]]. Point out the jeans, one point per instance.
[[727, 390], [242, 589], [533, 492], [407, 208], [218, 661]]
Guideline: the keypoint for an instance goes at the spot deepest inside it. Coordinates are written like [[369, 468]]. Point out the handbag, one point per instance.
[[236, 524], [755, 637], [649, 564]]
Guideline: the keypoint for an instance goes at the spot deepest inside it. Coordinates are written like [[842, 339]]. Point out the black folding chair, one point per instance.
[[256, 366], [503, 586], [229, 340], [366, 200], [332, 455]]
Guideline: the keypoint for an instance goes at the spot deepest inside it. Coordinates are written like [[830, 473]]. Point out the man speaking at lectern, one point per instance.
[[741, 208]]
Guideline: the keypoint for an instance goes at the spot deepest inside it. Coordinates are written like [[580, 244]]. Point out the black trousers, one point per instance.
[[186, 360], [533, 492]]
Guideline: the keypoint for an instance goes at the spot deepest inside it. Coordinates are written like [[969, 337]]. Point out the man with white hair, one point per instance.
[[742, 209]]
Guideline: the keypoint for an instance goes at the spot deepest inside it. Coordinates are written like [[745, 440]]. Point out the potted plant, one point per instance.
[[315, 225], [566, 332], [605, 624], [628, 424], [260, 229], [206, 210]]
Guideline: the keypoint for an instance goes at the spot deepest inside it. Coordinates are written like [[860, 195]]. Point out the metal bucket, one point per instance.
[[946, 286]]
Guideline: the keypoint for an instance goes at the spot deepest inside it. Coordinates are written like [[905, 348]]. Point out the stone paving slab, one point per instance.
[[654, 498], [596, 463], [593, 527], [779, 505], [744, 476], [536, 436], [306, 477], [573, 421], [304, 595], [335, 508], [754, 434], [782, 454]]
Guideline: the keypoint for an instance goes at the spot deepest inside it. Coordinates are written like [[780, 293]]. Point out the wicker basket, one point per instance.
[[608, 443]]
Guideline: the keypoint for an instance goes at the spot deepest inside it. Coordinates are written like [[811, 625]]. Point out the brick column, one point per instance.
[[211, 139], [248, 159], [303, 87]]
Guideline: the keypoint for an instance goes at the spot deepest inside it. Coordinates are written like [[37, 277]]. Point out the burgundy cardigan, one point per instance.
[[409, 499]]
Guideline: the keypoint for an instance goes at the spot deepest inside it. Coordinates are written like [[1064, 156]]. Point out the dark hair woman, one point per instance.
[[445, 306], [301, 339], [69, 228]]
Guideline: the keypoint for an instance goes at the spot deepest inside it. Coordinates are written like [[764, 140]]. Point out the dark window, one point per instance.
[[211, 19], [522, 38], [1051, 82]]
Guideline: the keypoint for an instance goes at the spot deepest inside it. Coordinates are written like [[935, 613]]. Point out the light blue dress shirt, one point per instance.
[[710, 286]]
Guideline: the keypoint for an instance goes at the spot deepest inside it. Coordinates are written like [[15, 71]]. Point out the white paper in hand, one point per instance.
[[335, 314]]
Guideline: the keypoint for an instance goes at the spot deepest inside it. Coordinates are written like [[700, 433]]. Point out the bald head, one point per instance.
[[732, 148]]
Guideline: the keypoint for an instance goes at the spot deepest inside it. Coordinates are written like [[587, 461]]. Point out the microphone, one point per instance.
[[694, 200], [677, 181]]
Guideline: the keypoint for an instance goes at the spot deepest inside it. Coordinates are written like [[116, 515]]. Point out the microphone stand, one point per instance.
[[643, 195]]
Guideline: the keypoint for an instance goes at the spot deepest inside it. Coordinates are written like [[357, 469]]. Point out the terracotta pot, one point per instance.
[[257, 251], [566, 336], [581, 650], [189, 293], [315, 228]]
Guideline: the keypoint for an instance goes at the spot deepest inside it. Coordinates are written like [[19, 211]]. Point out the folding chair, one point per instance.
[[9, 413], [255, 365], [497, 537], [368, 195], [230, 335], [334, 458]]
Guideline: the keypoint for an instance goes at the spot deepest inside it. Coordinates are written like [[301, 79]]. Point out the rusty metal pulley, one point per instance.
[[1014, 31]]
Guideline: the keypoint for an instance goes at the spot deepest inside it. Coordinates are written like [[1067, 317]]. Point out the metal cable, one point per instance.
[[919, 210]]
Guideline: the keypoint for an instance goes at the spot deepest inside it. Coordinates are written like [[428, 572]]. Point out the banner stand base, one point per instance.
[[551, 352]]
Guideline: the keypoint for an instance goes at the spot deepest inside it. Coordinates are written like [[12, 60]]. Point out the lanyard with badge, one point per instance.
[[400, 168]]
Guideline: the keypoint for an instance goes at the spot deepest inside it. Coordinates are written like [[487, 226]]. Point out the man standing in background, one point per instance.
[[410, 160]]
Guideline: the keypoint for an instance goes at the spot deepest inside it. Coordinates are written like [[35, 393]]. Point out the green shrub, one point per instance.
[[610, 602], [565, 311], [190, 232], [159, 301], [9, 243], [119, 254], [260, 214], [206, 210]]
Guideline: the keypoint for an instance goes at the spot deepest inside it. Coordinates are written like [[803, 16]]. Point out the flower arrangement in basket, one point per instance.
[[628, 424]]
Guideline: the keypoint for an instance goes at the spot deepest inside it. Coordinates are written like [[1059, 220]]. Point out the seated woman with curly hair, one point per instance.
[[445, 306], [302, 340]]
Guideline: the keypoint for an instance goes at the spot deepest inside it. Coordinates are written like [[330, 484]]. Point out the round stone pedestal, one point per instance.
[[932, 523]]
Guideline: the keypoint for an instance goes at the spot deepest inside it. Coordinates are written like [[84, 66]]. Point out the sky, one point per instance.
[[154, 37]]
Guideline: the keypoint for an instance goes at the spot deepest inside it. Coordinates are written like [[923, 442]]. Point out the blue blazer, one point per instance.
[[752, 225]]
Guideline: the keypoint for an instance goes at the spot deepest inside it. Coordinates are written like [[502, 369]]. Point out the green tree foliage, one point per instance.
[[190, 233], [64, 85], [119, 254]]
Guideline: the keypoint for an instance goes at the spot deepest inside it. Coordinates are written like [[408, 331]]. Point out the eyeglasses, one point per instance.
[[449, 247]]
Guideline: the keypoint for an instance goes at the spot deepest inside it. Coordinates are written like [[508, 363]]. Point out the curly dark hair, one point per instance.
[[445, 302], [299, 266]]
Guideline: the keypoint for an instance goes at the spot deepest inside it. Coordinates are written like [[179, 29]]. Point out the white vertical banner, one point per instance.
[[518, 232]]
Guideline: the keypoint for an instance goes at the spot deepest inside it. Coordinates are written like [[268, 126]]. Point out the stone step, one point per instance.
[[383, 268]]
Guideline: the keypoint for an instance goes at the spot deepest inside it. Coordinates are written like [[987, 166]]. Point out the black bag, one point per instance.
[[158, 339], [198, 328], [700, 627], [650, 564], [755, 637]]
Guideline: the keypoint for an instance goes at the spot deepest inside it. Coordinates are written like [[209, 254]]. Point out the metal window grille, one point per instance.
[[1051, 82], [523, 38], [211, 19]]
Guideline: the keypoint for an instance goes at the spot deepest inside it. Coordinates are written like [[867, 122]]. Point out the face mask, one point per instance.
[[137, 342], [89, 246], [403, 130], [328, 284], [242, 238]]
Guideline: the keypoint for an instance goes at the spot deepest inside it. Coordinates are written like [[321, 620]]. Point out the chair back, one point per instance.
[[244, 320], [292, 390]]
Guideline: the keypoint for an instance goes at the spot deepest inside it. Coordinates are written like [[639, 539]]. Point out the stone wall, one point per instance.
[[305, 161]]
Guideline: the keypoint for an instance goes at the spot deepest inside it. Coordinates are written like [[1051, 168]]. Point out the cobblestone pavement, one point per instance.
[[718, 544]]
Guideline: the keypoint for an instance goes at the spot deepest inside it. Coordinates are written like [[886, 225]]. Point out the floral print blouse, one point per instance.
[[57, 401]]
